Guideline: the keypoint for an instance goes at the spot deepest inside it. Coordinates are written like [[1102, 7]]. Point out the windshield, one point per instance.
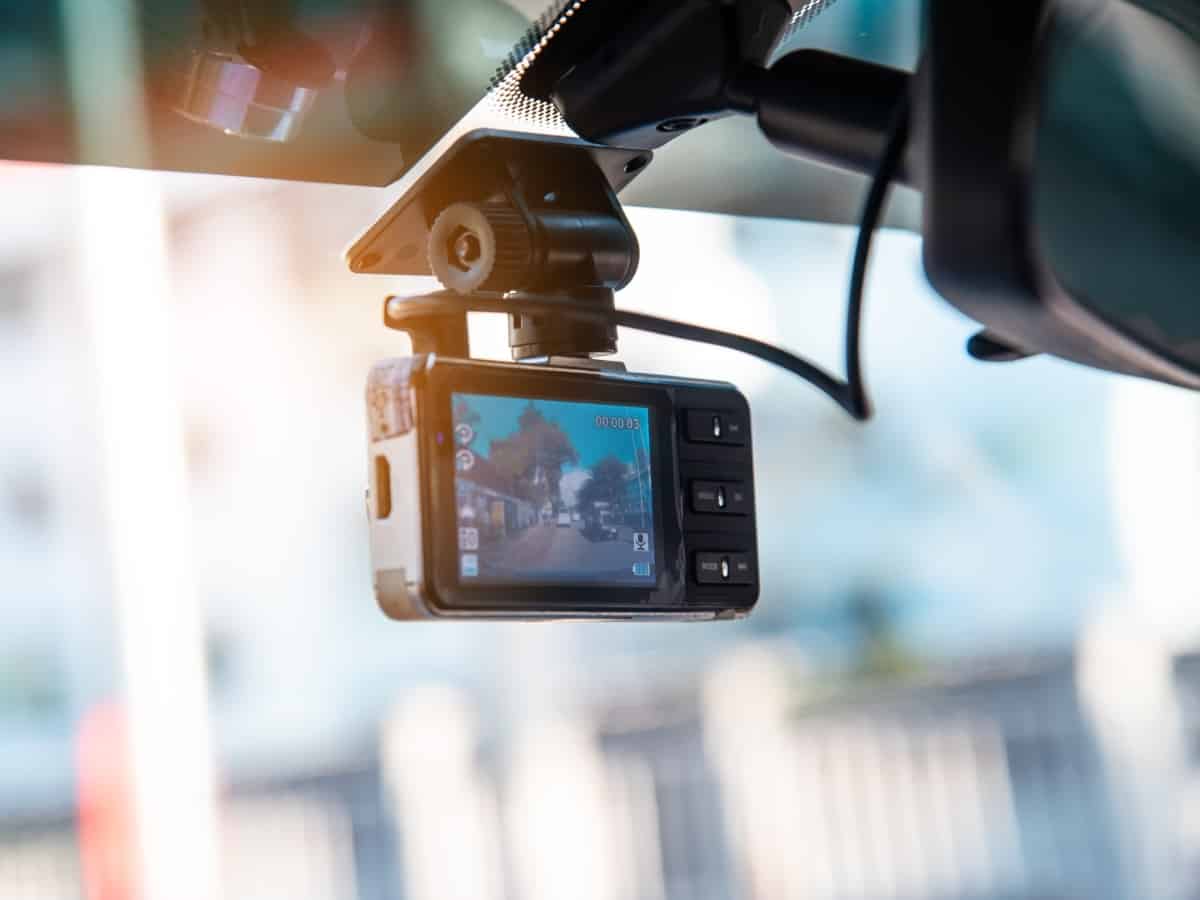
[[403, 73], [968, 673]]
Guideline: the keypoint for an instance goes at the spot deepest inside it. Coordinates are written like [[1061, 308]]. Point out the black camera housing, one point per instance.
[[705, 557]]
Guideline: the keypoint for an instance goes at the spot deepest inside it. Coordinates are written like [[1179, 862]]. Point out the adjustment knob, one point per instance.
[[481, 248]]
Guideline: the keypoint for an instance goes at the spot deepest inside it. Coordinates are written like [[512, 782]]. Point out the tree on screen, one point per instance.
[[533, 457], [605, 484]]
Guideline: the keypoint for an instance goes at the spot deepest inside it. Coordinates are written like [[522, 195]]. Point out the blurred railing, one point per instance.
[[324, 837], [992, 787]]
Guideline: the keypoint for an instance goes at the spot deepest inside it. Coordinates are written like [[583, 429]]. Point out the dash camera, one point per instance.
[[558, 486], [517, 491]]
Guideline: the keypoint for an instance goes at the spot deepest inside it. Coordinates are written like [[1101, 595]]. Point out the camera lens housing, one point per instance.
[[496, 248]]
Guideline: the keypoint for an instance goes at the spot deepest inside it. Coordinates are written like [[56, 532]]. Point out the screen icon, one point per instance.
[[468, 539], [641, 568], [641, 541], [465, 460], [464, 434], [470, 565]]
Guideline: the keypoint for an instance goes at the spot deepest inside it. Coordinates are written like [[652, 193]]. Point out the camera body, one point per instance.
[[531, 491], [559, 486]]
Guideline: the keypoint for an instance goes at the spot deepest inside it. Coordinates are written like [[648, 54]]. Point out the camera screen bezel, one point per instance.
[[451, 593]]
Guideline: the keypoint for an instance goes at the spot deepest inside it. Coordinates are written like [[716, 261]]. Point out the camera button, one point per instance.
[[741, 568], [724, 568], [720, 497], [708, 567], [710, 426]]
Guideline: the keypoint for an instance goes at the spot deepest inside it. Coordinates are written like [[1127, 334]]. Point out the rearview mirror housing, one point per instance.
[[1061, 182]]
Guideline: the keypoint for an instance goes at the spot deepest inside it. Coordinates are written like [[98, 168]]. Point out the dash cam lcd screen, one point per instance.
[[553, 492]]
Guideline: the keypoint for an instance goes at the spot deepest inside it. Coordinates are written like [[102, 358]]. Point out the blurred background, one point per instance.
[[969, 674], [973, 671]]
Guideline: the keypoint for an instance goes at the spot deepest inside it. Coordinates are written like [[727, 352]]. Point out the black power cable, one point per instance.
[[850, 395], [857, 403]]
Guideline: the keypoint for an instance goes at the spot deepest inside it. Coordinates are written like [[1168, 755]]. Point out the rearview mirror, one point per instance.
[[1062, 178]]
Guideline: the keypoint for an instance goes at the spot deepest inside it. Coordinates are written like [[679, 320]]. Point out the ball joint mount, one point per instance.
[[513, 217]]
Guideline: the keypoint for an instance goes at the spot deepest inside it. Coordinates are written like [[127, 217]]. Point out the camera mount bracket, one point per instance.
[[514, 216]]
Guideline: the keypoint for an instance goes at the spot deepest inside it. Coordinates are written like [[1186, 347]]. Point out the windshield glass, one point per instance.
[[967, 674], [402, 74]]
